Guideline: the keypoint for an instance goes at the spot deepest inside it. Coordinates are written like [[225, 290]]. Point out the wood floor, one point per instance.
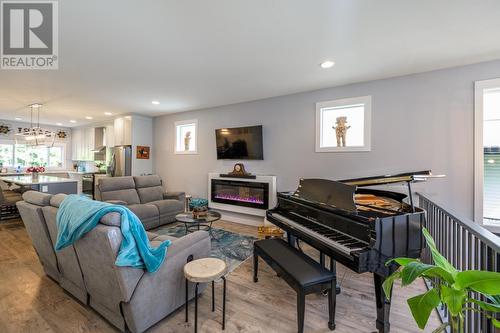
[[32, 302]]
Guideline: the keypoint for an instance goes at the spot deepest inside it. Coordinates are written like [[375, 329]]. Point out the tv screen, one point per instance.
[[242, 143]]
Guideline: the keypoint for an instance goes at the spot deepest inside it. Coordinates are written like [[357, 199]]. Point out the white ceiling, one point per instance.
[[119, 55]]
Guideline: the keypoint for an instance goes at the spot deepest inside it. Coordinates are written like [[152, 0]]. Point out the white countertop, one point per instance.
[[42, 179]]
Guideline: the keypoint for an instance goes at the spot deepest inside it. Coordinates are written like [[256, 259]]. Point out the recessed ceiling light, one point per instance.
[[17, 118], [59, 124], [327, 64], [108, 114], [89, 118], [72, 121], [156, 102]]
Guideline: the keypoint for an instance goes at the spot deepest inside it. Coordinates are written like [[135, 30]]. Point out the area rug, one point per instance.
[[231, 247]]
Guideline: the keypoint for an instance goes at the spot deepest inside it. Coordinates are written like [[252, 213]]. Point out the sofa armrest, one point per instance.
[[175, 196], [117, 202], [164, 290]]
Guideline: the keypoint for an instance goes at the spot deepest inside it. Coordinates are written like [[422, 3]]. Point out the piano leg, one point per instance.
[[383, 305], [322, 259], [332, 302], [333, 269]]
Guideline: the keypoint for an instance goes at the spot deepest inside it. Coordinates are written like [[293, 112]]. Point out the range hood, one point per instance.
[[99, 139], [99, 148]]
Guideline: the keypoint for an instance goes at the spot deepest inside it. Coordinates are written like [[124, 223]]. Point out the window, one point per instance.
[[13, 155], [343, 125], [6, 155], [186, 137], [487, 153]]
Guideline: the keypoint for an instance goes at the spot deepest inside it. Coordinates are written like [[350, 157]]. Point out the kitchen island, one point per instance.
[[43, 183]]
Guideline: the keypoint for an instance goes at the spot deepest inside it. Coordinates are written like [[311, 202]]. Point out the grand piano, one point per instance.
[[362, 228]]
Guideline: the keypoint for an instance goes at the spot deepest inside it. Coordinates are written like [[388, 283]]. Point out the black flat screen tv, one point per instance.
[[241, 143]]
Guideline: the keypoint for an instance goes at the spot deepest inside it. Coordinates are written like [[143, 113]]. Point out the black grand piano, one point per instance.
[[362, 228]]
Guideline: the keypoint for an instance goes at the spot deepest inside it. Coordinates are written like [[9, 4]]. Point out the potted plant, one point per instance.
[[453, 288], [35, 171]]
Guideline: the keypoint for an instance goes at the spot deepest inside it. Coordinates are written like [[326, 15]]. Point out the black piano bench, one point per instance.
[[301, 273]]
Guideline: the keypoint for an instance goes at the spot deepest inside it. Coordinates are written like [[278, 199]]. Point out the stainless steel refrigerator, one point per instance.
[[121, 161]]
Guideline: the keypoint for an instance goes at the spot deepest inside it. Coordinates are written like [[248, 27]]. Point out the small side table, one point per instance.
[[204, 271]]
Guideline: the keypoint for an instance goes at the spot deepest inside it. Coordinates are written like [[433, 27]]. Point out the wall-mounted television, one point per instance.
[[241, 143]]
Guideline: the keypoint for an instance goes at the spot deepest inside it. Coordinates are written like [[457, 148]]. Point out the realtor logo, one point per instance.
[[29, 32]]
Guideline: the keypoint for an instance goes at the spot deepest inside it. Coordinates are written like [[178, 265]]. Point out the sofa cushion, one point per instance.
[[128, 195], [37, 198], [144, 211], [155, 242], [147, 181], [168, 207], [57, 199], [148, 194], [116, 183]]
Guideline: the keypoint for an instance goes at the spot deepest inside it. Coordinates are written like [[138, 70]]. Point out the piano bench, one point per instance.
[[301, 272]]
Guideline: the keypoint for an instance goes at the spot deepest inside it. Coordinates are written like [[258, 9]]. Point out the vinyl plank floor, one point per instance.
[[32, 302]]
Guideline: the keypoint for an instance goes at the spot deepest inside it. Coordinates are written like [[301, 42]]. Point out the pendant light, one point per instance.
[[35, 135]]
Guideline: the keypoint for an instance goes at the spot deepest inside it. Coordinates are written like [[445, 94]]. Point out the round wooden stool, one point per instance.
[[204, 271]]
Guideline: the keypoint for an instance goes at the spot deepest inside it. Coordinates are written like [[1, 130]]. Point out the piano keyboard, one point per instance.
[[334, 238]]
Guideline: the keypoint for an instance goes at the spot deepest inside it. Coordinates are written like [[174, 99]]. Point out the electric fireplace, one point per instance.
[[240, 193]]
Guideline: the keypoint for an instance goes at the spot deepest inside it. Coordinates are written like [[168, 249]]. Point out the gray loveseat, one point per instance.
[[145, 196], [127, 297]]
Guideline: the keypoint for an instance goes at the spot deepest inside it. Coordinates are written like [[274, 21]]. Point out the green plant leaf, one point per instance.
[[402, 261], [416, 269], [486, 306], [455, 299], [388, 283], [495, 299], [438, 259], [422, 305], [481, 281], [495, 322]]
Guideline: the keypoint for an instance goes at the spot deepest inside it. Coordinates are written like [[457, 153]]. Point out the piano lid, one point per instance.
[[327, 192], [390, 179]]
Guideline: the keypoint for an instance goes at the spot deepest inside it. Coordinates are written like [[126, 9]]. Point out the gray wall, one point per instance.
[[422, 121]]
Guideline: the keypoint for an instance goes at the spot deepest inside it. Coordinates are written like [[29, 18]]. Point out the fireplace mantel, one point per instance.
[[254, 199]]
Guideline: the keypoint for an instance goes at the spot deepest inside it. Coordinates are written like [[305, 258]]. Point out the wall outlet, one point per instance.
[[45, 188]]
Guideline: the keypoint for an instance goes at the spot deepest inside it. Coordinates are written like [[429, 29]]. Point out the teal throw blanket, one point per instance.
[[78, 215]]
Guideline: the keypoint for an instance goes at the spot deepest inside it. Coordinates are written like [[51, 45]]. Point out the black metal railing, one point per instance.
[[468, 246]]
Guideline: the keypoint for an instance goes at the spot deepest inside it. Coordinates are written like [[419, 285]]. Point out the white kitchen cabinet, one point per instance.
[[123, 131], [109, 136], [82, 143]]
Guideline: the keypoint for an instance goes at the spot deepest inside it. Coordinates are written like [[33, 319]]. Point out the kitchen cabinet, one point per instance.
[[109, 136], [123, 131], [82, 143]]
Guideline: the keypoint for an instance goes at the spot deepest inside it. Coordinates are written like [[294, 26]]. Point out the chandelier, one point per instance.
[[36, 135]]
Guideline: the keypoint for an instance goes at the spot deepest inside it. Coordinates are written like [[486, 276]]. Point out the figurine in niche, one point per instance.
[[341, 130], [187, 140]]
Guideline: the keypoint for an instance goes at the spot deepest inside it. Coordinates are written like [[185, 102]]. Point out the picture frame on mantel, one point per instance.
[[344, 125]]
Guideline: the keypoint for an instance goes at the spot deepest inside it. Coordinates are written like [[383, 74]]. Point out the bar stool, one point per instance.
[[204, 271]]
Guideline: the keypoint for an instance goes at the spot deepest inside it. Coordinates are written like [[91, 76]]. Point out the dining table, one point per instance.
[[42, 183]]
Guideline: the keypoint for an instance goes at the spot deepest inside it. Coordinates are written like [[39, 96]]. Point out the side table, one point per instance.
[[204, 271]]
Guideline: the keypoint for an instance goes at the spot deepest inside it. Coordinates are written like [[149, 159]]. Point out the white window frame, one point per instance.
[[181, 123], [56, 144], [364, 100], [479, 88]]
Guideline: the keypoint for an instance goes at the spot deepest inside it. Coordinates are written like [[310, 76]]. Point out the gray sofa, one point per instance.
[[129, 298], [143, 195]]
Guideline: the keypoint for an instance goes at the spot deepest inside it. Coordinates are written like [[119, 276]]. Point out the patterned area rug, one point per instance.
[[231, 247]]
